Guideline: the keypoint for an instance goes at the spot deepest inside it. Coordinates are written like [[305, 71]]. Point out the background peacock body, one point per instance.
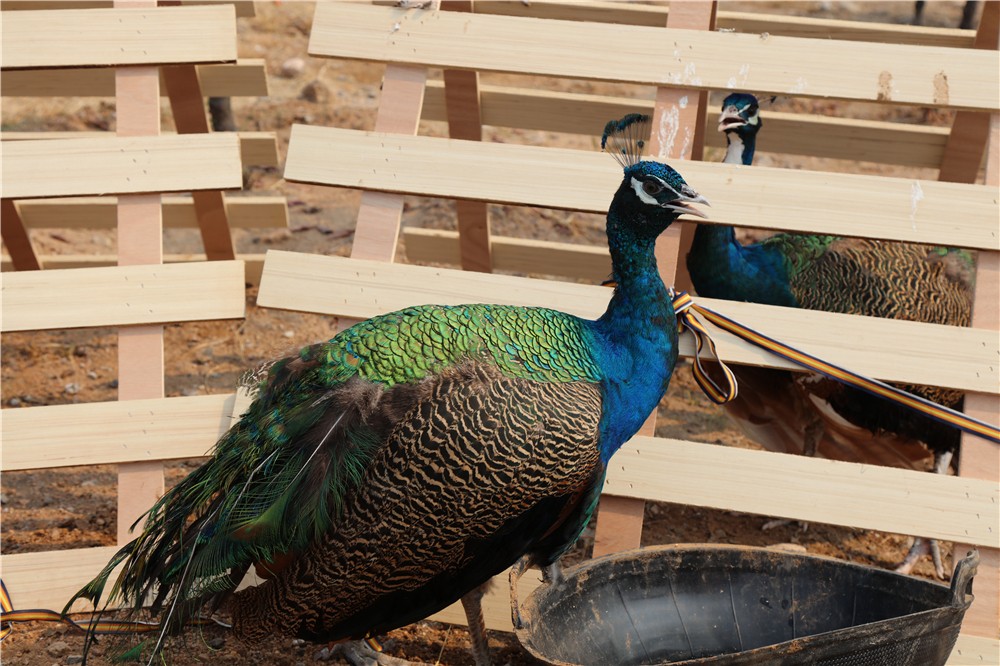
[[801, 412], [384, 474]]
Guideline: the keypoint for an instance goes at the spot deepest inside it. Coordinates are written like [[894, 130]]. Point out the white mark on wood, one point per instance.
[[916, 194], [670, 121], [683, 102], [800, 86], [740, 78]]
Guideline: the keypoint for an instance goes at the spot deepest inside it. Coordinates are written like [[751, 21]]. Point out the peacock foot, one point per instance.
[[920, 548], [362, 653], [781, 522]]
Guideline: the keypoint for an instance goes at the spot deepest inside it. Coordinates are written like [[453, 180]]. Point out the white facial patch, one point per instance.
[[753, 119], [643, 197]]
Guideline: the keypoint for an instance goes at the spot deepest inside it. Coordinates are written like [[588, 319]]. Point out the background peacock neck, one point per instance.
[[637, 335], [720, 267]]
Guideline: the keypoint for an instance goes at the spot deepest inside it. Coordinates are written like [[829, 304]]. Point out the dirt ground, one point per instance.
[[76, 507]]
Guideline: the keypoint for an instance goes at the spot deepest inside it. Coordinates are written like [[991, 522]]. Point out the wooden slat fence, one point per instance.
[[80, 65]]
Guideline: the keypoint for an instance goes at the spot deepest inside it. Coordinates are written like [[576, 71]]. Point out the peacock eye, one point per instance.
[[651, 187]]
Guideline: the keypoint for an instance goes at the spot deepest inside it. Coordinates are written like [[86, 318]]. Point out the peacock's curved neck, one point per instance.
[[636, 337], [740, 148]]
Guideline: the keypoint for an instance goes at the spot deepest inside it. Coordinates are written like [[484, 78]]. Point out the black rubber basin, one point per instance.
[[735, 605]]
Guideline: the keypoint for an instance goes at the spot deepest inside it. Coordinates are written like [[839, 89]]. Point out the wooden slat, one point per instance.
[[256, 148], [105, 433], [516, 255], [752, 22], [253, 264], [110, 37], [960, 78], [49, 579], [810, 489], [245, 78], [842, 204], [974, 650], [122, 296], [120, 165], [178, 212], [798, 134], [893, 350], [16, 238], [244, 8]]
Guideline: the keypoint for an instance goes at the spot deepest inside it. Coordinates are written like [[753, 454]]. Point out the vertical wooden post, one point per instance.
[[380, 214], [140, 241], [967, 142], [678, 134], [981, 459], [16, 238], [188, 106], [461, 95]]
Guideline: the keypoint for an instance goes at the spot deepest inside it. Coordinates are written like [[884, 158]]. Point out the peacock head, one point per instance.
[[740, 114], [655, 193]]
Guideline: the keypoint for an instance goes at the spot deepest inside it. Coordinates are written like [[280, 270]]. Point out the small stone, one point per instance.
[[217, 643], [57, 648], [188, 392], [80, 351], [14, 402], [3, 499], [322, 655], [91, 374], [113, 384], [72, 388], [292, 67], [315, 92], [30, 399], [74, 659], [289, 334]]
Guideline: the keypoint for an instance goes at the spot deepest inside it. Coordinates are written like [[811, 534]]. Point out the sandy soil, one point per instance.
[[76, 508]]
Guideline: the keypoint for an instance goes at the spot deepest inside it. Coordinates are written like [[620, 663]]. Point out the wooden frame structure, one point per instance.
[[86, 70], [391, 162]]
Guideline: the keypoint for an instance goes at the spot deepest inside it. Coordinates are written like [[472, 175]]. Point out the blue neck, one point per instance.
[[636, 338], [722, 268]]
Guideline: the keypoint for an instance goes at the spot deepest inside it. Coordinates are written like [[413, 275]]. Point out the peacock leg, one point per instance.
[[921, 546], [516, 572], [361, 653], [472, 602], [552, 574]]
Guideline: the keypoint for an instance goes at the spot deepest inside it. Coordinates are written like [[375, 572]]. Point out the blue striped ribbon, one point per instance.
[[687, 308]]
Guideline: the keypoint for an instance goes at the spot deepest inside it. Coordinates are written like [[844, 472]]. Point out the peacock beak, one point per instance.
[[683, 204], [730, 119]]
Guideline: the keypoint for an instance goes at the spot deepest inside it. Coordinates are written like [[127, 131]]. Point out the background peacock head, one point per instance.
[[740, 114], [652, 195]]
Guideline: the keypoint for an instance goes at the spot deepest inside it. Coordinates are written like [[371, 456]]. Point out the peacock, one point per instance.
[[382, 475], [803, 412]]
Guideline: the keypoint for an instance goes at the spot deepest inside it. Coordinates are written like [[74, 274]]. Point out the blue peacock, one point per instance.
[[380, 476], [803, 412]]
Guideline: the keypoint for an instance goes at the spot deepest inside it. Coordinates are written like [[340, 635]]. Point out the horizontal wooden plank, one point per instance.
[[516, 255], [106, 433], [243, 212], [798, 134], [121, 165], [244, 8], [253, 264], [245, 78], [819, 202], [48, 579], [872, 497], [893, 350], [122, 295], [113, 37], [902, 74], [751, 22], [256, 148]]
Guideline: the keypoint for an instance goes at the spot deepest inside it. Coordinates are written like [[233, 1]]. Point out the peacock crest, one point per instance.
[[626, 139]]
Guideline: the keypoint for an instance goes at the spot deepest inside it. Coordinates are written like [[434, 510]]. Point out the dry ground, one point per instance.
[[75, 508]]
